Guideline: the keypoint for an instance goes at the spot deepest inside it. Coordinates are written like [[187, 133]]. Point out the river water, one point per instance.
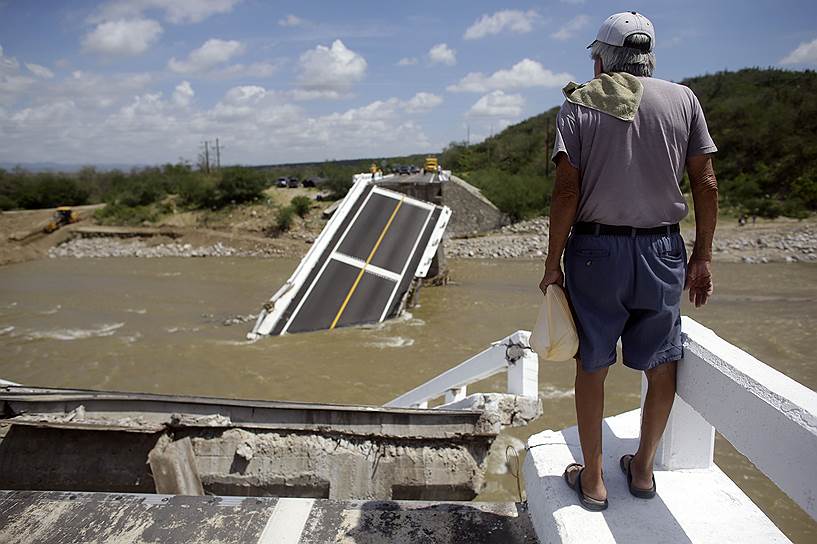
[[156, 325]]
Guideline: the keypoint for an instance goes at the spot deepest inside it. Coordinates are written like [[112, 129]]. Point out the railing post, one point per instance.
[[523, 375], [688, 441], [455, 394]]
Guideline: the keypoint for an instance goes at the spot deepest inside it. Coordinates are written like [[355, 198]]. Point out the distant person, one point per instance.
[[742, 220], [622, 142]]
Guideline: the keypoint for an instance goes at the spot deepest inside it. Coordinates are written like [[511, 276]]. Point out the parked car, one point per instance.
[[414, 170], [404, 170], [282, 182], [293, 182]]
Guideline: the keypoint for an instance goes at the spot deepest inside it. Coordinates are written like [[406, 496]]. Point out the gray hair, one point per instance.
[[634, 57]]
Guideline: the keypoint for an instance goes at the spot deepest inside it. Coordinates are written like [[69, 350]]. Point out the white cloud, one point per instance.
[[259, 70], [571, 27], [122, 37], [291, 20], [423, 102], [524, 74], [407, 61], [183, 95], [12, 83], [442, 54], [174, 11], [498, 104], [39, 71], [515, 21], [330, 72], [212, 53], [806, 53]]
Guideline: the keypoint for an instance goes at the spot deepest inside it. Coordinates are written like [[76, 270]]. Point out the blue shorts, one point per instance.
[[626, 287]]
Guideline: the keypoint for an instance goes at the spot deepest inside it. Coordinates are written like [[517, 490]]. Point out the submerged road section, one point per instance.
[[360, 268]]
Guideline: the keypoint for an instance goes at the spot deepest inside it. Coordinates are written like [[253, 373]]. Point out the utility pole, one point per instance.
[[467, 135], [218, 155], [206, 157]]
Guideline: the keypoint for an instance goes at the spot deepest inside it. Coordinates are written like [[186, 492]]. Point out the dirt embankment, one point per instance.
[[247, 230]]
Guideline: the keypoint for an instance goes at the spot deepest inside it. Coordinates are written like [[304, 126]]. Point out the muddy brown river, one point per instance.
[[157, 325]]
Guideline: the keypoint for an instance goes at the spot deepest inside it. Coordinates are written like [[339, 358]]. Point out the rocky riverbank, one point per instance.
[[780, 240], [114, 247]]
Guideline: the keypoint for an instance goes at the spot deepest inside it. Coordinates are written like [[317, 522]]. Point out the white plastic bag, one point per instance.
[[554, 336]]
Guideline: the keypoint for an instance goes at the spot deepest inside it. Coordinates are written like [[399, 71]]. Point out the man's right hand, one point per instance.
[[699, 281], [551, 277]]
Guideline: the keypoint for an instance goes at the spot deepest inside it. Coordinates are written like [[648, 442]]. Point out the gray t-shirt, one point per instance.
[[631, 171]]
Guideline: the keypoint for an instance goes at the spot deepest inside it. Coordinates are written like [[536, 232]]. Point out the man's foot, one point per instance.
[[592, 495], [640, 486]]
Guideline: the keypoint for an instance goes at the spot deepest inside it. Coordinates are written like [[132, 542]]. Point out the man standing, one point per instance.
[[622, 142]]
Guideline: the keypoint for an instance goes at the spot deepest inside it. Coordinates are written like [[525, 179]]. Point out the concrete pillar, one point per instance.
[[523, 375], [688, 441], [455, 394]]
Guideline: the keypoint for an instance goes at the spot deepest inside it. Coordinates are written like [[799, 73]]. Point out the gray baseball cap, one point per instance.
[[615, 29]]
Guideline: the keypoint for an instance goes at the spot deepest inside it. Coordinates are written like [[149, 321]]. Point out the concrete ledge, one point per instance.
[[701, 505]]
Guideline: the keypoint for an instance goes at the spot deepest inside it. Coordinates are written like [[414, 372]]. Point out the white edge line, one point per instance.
[[409, 199], [431, 248], [326, 263], [287, 521], [405, 266]]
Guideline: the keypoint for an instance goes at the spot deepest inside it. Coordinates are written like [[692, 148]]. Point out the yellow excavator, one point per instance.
[[430, 165], [63, 216]]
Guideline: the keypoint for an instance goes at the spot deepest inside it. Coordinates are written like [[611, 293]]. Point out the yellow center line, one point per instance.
[[368, 260]]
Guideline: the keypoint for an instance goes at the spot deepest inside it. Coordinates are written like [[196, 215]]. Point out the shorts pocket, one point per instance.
[[595, 253]]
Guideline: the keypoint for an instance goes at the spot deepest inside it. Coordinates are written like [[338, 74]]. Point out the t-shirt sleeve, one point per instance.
[[567, 135], [700, 142]]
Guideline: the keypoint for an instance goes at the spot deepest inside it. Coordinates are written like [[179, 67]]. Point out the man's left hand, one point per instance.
[[699, 281]]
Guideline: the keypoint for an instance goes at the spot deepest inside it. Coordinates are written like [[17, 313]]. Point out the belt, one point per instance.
[[621, 230]]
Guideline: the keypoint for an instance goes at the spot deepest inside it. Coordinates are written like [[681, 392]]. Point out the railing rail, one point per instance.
[[512, 354], [765, 415]]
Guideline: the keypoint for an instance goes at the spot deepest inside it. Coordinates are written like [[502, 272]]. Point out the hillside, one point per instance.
[[764, 122]]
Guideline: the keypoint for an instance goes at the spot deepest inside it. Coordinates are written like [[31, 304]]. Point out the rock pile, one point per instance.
[[115, 247]]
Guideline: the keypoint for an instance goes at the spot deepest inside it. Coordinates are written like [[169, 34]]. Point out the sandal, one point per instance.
[[589, 503], [624, 463]]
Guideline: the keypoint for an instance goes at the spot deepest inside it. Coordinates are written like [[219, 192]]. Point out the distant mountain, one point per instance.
[[67, 168]]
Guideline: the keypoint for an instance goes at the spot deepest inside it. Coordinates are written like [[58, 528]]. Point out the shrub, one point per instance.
[[520, 196], [301, 204], [239, 185], [284, 218], [197, 192]]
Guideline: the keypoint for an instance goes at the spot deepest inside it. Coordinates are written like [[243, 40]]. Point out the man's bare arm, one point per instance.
[[705, 197], [564, 202]]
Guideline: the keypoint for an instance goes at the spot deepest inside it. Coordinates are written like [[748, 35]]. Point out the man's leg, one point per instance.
[[589, 413], [657, 406]]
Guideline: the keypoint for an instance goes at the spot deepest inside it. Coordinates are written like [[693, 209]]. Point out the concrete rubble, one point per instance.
[[249, 448]]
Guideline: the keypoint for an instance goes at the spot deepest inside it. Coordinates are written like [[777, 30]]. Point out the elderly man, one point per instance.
[[622, 142]]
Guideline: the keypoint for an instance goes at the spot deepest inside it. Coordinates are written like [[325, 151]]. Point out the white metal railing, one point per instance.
[[765, 415], [512, 354]]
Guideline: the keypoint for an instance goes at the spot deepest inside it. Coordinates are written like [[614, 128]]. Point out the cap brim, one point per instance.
[[591, 44]]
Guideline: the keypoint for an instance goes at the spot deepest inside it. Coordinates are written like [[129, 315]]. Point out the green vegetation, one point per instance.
[[763, 121], [284, 218], [301, 205], [21, 189]]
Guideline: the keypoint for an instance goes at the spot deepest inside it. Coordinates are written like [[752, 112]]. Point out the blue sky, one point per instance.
[[145, 81]]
